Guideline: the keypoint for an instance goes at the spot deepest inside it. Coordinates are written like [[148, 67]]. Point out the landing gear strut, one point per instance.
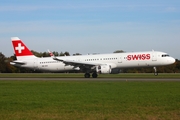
[[155, 71]]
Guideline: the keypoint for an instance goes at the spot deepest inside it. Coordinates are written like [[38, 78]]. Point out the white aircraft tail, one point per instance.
[[21, 50]]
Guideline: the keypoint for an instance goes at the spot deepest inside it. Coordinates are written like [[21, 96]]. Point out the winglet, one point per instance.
[[51, 54], [54, 57]]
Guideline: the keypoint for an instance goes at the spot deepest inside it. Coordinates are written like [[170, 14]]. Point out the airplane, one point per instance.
[[95, 64]]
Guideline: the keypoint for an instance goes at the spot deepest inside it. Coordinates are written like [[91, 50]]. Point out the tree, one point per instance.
[[76, 54], [66, 53], [61, 54], [37, 54], [119, 51], [10, 68], [56, 53], [45, 54], [2, 63], [177, 66]]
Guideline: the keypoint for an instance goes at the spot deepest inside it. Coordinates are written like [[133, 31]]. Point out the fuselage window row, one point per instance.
[[101, 59], [49, 62], [89, 60]]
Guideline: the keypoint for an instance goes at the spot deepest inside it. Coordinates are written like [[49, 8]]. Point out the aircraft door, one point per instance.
[[35, 64], [120, 59], [154, 56], [78, 59]]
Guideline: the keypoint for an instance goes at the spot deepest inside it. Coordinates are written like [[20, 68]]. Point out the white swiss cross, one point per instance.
[[19, 48]]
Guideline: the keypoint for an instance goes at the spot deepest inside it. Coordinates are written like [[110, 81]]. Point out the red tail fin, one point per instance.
[[20, 48]]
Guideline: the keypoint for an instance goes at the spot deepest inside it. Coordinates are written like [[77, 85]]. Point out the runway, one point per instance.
[[95, 79]]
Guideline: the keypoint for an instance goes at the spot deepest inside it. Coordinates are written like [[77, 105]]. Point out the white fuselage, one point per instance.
[[116, 60]]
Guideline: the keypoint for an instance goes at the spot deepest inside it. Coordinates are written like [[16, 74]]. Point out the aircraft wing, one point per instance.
[[75, 63], [78, 63]]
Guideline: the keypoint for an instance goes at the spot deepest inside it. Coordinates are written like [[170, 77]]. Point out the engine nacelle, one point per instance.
[[103, 69]]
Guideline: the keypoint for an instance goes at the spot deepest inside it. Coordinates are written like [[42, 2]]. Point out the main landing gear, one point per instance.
[[155, 71], [94, 75]]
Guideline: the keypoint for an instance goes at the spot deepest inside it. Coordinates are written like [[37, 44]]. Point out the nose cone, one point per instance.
[[171, 60]]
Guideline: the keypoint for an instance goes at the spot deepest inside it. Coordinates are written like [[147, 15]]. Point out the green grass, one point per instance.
[[89, 100], [81, 75]]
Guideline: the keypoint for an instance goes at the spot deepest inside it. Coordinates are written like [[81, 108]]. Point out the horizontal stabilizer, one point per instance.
[[17, 62]]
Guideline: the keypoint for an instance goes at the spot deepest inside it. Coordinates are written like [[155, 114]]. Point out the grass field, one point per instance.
[[89, 100], [81, 75]]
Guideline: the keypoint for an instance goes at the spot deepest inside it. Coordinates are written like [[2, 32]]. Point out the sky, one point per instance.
[[91, 26]]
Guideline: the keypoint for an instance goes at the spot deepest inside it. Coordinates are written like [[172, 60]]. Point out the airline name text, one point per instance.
[[139, 57]]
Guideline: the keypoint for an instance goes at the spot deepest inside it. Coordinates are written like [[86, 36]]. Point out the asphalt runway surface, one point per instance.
[[96, 79]]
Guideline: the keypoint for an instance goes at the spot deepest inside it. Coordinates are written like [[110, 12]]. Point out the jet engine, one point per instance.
[[103, 69]]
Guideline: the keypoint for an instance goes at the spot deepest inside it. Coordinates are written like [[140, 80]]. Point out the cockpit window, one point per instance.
[[165, 55]]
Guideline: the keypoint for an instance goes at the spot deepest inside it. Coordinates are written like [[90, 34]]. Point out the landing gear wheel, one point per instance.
[[87, 75], [94, 75], [156, 74]]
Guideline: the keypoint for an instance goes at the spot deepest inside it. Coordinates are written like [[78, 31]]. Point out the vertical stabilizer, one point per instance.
[[20, 49]]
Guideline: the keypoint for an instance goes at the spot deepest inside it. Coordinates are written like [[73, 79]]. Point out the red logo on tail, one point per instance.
[[20, 48]]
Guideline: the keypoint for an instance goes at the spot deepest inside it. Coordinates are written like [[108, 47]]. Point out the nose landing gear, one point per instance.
[[155, 71]]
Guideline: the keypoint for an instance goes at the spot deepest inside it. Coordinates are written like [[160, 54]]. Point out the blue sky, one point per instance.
[[96, 26]]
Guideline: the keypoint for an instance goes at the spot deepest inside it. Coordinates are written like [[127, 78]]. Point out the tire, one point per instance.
[[94, 75], [156, 74], [87, 75]]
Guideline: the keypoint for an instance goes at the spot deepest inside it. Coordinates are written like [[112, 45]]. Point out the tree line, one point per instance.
[[5, 66]]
